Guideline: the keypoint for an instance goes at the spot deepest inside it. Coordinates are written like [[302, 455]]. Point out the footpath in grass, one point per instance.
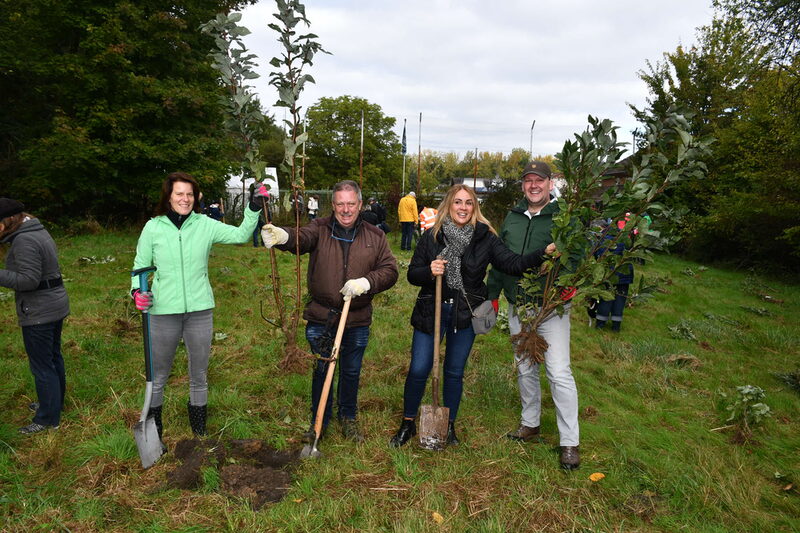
[[655, 402]]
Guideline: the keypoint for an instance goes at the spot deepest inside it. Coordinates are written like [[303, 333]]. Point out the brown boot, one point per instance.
[[524, 433], [570, 458]]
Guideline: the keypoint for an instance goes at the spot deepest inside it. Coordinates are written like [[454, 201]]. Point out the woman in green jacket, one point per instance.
[[177, 241]]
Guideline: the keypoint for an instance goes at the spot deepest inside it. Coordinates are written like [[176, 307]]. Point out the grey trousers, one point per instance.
[[555, 330], [166, 331]]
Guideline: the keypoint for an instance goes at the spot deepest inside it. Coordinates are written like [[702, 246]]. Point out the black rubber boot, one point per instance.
[[155, 413], [408, 428], [452, 440], [197, 419], [600, 324], [615, 325]]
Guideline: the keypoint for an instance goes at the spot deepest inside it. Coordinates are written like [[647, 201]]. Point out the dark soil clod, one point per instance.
[[248, 468]]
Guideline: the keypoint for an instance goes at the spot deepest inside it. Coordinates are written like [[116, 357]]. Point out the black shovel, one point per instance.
[[310, 450], [145, 432]]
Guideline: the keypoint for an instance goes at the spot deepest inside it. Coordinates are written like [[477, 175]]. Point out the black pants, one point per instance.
[[43, 344]]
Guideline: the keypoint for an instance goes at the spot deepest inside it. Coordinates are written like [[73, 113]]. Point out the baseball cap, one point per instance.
[[540, 168]]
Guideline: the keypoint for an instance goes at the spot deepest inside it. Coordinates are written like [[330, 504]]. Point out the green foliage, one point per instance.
[[741, 84], [585, 230], [334, 144], [748, 409], [298, 53], [106, 99]]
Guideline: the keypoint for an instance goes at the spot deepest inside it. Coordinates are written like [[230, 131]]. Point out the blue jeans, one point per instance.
[[407, 235], [351, 352], [458, 344], [43, 345], [614, 307]]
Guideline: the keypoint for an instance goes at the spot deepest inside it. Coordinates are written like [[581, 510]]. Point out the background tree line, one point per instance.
[[101, 99]]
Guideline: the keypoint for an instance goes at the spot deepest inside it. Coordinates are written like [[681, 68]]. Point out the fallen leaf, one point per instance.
[[788, 487], [437, 518], [597, 476], [298, 500]]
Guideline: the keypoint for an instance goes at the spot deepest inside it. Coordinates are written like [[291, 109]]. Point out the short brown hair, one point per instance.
[[163, 206]]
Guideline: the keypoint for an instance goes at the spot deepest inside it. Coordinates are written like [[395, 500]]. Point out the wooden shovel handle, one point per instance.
[[437, 333], [326, 386]]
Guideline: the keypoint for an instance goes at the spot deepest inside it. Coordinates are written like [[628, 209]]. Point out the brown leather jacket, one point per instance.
[[369, 256]]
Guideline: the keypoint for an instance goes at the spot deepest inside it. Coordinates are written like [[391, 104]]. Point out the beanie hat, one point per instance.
[[540, 168], [9, 207]]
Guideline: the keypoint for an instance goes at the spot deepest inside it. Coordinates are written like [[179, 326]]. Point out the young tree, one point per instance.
[[671, 155], [298, 54]]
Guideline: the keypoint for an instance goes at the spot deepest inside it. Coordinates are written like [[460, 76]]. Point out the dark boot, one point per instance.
[[155, 413], [197, 419], [452, 440], [408, 428], [615, 325], [600, 324]]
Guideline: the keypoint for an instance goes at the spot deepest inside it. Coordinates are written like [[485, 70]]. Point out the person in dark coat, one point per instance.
[[460, 246], [32, 270]]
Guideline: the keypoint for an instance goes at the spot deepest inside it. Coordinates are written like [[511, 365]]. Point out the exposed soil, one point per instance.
[[247, 468]]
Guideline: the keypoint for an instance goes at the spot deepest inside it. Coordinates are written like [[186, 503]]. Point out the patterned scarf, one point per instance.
[[456, 240]]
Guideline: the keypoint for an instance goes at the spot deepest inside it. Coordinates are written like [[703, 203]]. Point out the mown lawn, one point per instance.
[[652, 398]]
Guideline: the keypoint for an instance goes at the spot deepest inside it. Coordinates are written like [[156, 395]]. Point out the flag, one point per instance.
[[403, 150]]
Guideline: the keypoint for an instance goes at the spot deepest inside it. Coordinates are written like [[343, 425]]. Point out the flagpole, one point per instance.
[[361, 157], [419, 154], [475, 170], [403, 151]]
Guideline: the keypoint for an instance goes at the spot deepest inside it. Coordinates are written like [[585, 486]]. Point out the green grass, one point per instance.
[[649, 402]]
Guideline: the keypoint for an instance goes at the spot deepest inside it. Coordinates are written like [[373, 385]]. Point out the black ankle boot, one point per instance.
[[452, 440], [408, 429], [155, 413], [600, 324], [197, 419], [615, 326]]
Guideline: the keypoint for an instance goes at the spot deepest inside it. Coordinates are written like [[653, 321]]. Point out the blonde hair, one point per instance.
[[447, 201]]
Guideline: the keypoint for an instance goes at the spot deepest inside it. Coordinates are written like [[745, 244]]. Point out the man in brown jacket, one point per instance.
[[347, 258]]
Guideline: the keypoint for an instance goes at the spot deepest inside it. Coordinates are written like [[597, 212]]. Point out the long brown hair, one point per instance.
[[449, 198], [163, 206], [12, 223]]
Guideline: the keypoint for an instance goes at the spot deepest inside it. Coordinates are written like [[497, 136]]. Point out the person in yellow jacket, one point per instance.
[[407, 215]]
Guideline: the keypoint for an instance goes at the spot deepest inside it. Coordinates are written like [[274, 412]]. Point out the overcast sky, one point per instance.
[[481, 72]]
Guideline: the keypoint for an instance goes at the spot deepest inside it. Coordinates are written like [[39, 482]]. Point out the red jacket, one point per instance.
[[369, 257]]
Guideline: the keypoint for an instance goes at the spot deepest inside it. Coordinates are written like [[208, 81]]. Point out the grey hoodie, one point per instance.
[[31, 259]]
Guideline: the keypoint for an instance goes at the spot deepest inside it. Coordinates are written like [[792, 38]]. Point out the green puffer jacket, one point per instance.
[[522, 235], [180, 285]]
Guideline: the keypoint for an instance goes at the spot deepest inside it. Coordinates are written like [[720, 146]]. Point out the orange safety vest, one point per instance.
[[427, 217]]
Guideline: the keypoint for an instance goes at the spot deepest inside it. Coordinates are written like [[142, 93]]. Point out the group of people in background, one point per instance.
[[349, 258]]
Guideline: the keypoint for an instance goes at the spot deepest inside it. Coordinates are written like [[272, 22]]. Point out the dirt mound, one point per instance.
[[247, 468]]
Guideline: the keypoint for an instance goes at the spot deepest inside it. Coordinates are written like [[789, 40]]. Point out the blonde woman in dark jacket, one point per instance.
[[460, 247], [33, 272]]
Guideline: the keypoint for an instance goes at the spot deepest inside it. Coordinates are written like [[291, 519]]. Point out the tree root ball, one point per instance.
[[529, 345], [294, 360]]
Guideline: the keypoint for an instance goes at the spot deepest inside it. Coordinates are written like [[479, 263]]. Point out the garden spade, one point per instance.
[[433, 418], [145, 432], [310, 450]]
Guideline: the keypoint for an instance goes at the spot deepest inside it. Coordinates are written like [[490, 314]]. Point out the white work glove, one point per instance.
[[355, 287], [272, 235]]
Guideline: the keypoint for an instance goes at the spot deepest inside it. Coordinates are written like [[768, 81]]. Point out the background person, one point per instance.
[[528, 226], [177, 241], [407, 215], [467, 244], [347, 258], [313, 206], [32, 270]]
